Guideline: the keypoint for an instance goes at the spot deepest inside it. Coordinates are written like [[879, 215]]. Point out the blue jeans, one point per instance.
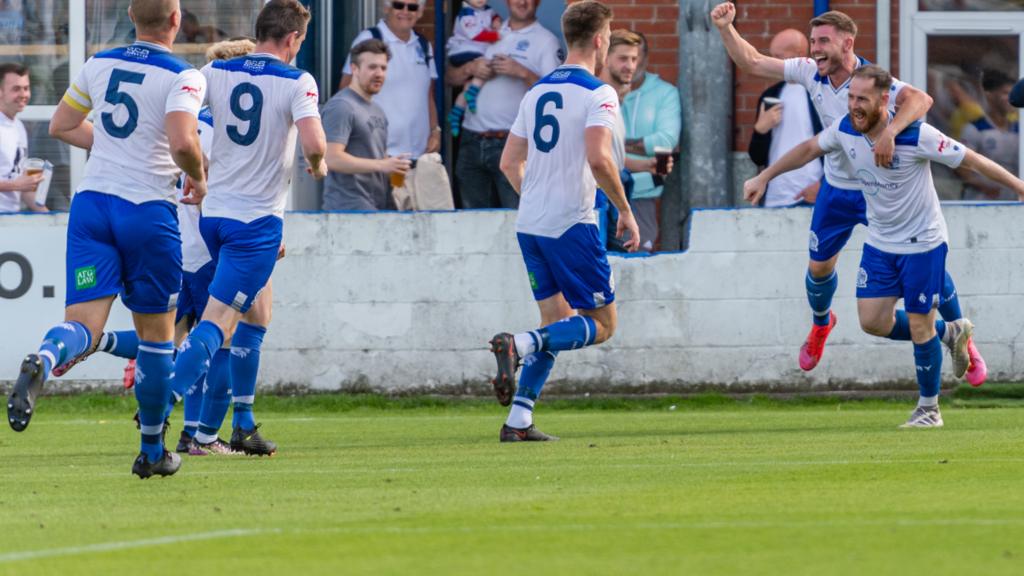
[[481, 183]]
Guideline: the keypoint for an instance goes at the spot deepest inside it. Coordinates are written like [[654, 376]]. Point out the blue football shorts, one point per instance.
[[243, 254], [917, 278], [574, 264], [836, 212]]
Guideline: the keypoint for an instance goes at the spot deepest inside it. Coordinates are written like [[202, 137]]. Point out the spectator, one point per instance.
[[653, 120], [408, 97], [1017, 94], [476, 27], [526, 52], [16, 188], [995, 136], [620, 66], [357, 137], [788, 118]]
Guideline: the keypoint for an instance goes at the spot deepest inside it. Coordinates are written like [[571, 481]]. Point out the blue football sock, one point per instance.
[[217, 397], [123, 343], [536, 368], [940, 329], [928, 359], [194, 404], [245, 365], [901, 329], [152, 387], [62, 343], [566, 334], [194, 357], [819, 295], [949, 302]]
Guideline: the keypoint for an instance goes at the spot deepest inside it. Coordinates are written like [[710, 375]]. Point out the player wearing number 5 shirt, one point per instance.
[[123, 230], [261, 104]]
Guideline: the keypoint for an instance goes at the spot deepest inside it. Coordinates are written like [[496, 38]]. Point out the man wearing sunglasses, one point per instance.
[[407, 97]]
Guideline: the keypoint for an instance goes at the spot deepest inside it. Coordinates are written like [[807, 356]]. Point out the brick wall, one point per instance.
[[759, 20], [658, 20]]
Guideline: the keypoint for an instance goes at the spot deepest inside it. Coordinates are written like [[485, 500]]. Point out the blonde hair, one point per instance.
[[230, 49]]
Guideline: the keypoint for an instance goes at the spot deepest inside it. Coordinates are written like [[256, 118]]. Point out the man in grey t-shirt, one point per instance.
[[357, 137]]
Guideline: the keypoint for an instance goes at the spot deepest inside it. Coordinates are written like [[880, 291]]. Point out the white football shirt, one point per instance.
[[194, 253], [533, 46], [13, 151], [558, 187], [256, 100], [130, 90], [904, 216], [831, 103]]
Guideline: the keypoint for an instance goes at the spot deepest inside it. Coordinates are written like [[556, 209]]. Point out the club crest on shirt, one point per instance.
[[862, 278], [895, 163], [853, 153], [812, 242], [523, 45], [421, 58]]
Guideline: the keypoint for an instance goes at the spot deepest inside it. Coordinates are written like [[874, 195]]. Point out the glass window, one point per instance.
[[970, 5], [202, 24], [41, 145], [35, 33], [970, 78]]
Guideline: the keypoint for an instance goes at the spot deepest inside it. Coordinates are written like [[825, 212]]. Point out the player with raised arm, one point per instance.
[[123, 232], [259, 103], [840, 203], [557, 154], [905, 253]]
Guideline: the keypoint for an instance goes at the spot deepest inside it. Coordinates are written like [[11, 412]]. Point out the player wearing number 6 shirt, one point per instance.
[[123, 231], [558, 152], [259, 103], [905, 253]]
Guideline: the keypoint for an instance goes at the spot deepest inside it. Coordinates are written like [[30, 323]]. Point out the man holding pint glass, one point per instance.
[[20, 176], [653, 118], [360, 171]]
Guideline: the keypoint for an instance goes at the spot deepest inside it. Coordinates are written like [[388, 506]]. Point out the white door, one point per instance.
[[967, 60]]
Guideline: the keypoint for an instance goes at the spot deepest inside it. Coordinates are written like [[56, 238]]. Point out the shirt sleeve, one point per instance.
[[305, 99], [937, 147], [77, 94], [519, 126], [828, 139], [603, 108], [364, 35], [894, 91], [205, 132], [800, 71], [187, 93], [337, 122]]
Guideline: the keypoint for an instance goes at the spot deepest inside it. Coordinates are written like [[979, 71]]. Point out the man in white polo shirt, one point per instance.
[[408, 94], [15, 186], [526, 52]]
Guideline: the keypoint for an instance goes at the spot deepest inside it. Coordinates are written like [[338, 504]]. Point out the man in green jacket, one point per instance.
[[653, 120]]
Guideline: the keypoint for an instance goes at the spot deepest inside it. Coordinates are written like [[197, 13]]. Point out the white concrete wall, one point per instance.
[[408, 301]]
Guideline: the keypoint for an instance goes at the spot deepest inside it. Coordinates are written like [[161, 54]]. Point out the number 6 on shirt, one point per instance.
[[543, 120]]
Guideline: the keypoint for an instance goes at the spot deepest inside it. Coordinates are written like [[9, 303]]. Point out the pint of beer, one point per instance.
[[33, 166]]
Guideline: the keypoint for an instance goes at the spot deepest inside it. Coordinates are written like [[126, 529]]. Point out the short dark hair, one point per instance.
[[12, 68], [880, 77], [994, 80], [371, 46], [582, 20], [837, 20], [279, 18]]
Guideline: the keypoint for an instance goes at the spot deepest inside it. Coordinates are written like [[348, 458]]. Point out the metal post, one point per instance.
[[706, 90]]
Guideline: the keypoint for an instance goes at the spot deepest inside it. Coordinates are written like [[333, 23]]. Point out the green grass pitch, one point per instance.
[[421, 486]]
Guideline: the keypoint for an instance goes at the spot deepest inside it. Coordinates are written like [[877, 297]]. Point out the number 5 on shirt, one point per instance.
[[115, 96]]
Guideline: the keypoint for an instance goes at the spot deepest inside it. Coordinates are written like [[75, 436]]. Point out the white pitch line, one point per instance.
[[126, 545]]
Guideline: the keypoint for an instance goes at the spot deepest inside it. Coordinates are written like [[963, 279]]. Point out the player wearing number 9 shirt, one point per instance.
[[260, 103], [123, 231], [558, 152]]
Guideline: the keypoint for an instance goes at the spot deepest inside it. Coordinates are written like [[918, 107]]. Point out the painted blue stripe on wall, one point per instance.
[[146, 55], [259, 66]]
